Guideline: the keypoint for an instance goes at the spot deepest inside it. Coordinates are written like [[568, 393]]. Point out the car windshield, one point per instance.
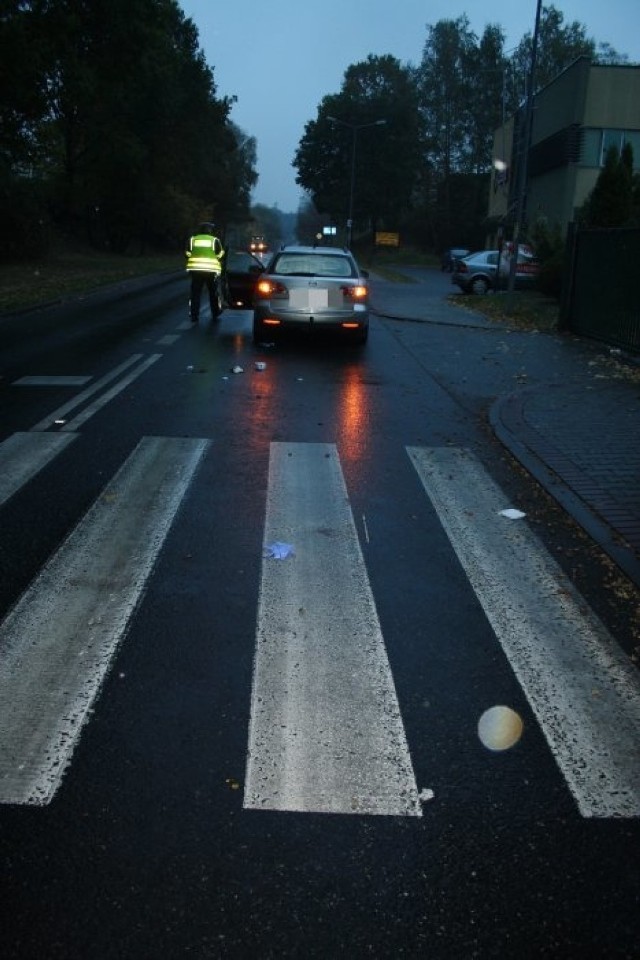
[[312, 265]]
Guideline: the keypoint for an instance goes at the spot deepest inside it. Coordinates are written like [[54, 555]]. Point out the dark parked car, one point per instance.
[[478, 272], [242, 272], [312, 289], [450, 256]]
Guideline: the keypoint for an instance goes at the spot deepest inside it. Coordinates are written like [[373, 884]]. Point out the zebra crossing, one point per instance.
[[326, 733]]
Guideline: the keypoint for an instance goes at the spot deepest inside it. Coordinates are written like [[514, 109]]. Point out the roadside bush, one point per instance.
[[548, 244], [25, 227]]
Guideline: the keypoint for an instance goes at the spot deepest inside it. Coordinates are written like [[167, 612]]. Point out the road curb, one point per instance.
[[560, 477]]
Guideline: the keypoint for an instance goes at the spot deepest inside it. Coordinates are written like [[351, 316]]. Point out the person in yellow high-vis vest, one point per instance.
[[204, 265]]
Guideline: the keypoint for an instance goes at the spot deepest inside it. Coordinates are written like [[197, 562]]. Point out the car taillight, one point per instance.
[[271, 290], [354, 292]]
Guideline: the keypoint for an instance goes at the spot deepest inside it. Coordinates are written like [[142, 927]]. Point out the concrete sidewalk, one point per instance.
[[578, 436]]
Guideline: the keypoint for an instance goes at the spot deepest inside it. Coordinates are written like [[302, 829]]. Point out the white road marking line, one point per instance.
[[62, 411], [57, 643], [104, 399], [52, 381], [23, 455], [168, 340], [326, 734], [583, 690]]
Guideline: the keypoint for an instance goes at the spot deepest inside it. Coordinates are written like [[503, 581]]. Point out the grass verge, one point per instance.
[[523, 309], [67, 272]]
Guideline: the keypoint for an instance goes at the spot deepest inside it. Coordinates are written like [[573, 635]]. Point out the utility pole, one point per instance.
[[522, 165]]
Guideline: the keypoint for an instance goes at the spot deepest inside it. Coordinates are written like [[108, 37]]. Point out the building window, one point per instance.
[[596, 143], [610, 138], [633, 137]]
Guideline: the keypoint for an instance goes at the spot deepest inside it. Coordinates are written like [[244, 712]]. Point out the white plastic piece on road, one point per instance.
[[512, 514], [279, 551]]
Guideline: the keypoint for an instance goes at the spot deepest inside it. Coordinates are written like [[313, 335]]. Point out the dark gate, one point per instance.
[[601, 294]]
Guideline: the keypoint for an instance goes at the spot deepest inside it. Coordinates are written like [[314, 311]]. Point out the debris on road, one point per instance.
[[512, 514], [279, 551]]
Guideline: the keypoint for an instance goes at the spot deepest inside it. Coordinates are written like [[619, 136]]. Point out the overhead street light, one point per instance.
[[354, 127]]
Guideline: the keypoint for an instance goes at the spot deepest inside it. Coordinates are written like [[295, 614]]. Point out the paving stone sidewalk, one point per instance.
[[580, 440]]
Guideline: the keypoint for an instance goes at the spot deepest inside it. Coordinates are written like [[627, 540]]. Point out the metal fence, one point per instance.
[[601, 292]]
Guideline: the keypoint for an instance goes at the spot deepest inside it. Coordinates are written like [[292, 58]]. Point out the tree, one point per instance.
[[611, 202], [445, 85], [266, 223], [114, 111], [386, 158], [309, 222], [462, 89], [559, 44]]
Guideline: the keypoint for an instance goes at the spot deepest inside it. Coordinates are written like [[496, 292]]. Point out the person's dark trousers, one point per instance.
[[199, 279]]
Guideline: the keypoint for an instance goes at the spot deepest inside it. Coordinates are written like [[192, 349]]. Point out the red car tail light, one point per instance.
[[271, 290], [355, 292]]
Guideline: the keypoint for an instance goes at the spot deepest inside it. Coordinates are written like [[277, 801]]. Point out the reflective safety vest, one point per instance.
[[205, 254]]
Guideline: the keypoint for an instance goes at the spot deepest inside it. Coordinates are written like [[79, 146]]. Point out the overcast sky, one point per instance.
[[281, 57]]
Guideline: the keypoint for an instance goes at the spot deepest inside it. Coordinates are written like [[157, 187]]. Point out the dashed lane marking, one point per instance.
[[80, 398], [51, 381]]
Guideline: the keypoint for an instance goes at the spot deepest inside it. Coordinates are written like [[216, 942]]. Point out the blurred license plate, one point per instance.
[[308, 299]]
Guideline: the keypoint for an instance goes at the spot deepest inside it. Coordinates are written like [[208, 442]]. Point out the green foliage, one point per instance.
[[266, 223], [611, 202], [427, 172], [25, 229], [346, 136], [548, 242], [559, 44], [113, 107]]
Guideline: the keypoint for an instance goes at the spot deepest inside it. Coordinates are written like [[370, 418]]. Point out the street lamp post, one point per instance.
[[522, 170], [354, 127]]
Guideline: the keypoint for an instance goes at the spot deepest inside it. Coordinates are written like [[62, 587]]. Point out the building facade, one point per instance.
[[576, 118]]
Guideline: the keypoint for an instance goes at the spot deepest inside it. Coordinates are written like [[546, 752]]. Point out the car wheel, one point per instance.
[[479, 285]]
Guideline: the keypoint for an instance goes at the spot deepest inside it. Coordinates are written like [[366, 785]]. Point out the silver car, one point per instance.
[[312, 289], [478, 273]]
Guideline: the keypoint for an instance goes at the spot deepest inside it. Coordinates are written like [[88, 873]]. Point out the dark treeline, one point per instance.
[[110, 127], [425, 172]]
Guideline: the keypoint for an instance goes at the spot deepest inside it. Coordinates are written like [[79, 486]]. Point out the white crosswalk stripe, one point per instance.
[[326, 733], [23, 455], [584, 692], [58, 641]]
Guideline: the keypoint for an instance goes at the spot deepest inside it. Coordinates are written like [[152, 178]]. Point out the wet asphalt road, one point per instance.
[[146, 848]]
